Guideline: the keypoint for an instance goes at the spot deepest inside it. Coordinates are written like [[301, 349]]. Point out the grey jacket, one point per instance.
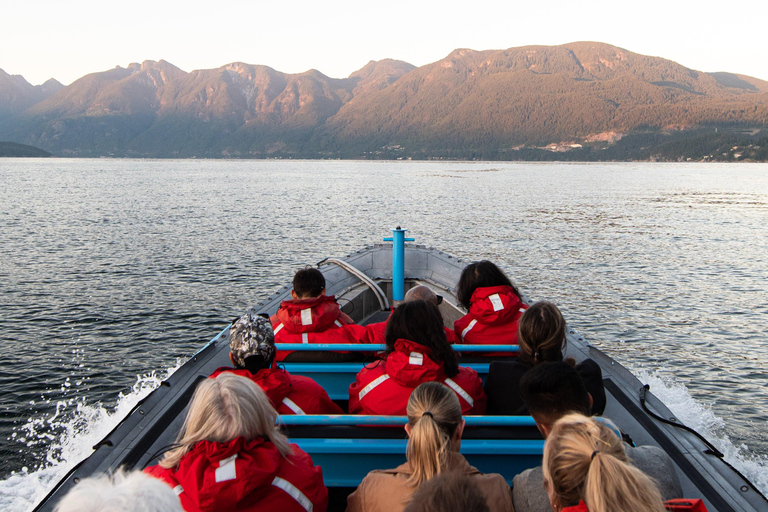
[[529, 495]]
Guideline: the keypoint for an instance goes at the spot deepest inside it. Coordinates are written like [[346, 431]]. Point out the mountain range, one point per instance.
[[585, 98]]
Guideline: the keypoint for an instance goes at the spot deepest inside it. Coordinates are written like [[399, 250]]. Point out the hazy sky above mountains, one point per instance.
[[42, 39]]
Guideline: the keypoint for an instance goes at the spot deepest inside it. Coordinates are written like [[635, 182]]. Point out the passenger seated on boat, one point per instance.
[[375, 332], [252, 351], [434, 430], [585, 470], [541, 339], [494, 306], [417, 351], [554, 390], [313, 317], [231, 457], [120, 492], [448, 492]]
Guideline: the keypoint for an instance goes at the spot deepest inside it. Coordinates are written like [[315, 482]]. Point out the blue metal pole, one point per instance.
[[398, 261]]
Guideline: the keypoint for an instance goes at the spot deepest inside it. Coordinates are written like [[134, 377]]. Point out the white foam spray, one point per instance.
[[701, 418], [81, 425]]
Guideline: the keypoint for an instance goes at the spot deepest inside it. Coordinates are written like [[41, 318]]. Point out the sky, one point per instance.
[[42, 39]]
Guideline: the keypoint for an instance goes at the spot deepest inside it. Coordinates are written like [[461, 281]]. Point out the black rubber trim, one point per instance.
[[143, 446], [701, 483]]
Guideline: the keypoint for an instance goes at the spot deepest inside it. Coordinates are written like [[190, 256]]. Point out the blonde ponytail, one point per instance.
[[434, 413], [585, 460]]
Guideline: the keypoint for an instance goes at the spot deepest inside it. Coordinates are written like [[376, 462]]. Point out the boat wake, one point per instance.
[[79, 426], [701, 418], [82, 425]]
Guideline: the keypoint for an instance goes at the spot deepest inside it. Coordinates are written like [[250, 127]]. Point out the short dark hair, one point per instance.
[[481, 274], [554, 388], [308, 282], [421, 322], [448, 492]]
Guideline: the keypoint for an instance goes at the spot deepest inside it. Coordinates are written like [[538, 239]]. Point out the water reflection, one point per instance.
[[109, 269]]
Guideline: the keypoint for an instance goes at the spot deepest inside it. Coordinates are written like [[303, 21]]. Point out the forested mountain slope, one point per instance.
[[471, 104]]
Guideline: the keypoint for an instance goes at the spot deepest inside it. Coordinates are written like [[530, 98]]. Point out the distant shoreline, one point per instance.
[[16, 150]]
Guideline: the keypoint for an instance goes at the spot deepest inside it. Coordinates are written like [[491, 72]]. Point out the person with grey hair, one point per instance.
[[375, 332], [120, 492], [252, 351]]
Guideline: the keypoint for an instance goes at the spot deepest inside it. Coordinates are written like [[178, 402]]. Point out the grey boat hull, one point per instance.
[[362, 283]]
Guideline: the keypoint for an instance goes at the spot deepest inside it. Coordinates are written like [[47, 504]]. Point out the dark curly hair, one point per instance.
[[421, 322], [481, 274]]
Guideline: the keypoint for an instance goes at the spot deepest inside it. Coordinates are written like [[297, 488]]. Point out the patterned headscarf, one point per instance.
[[251, 335]]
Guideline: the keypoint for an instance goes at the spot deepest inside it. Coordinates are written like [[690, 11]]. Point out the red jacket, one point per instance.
[[317, 320], [289, 394], [385, 386], [375, 333], [581, 507], [245, 476], [494, 314]]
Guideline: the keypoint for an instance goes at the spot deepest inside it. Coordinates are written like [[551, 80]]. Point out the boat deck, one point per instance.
[[349, 449]]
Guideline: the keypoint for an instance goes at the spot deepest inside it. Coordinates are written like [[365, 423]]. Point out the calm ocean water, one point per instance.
[[113, 269]]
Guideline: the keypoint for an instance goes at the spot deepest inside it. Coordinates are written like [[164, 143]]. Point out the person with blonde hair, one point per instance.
[[230, 455], [434, 429], [586, 470], [554, 390], [120, 492]]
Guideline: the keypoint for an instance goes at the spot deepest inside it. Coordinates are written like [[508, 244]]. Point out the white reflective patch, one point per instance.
[[416, 358], [338, 323], [306, 317], [522, 310], [367, 389], [469, 328], [293, 492], [305, 337], [292, 406], [178, 490], [279, 328], [496, 301], [460, 391], [226, 470]]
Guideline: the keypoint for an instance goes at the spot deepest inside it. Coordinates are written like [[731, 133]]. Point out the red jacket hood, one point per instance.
[[275, 382], [410, 364], [324, 311], [256, 464], [494, 305]]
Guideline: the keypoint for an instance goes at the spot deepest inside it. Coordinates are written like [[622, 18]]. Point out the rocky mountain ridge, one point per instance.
[[469, 104]]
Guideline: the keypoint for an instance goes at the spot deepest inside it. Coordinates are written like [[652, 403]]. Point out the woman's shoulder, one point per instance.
[[373, 370], [380, 487], [299, 457]]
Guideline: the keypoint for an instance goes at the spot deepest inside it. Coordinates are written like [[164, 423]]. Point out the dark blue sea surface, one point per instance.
[[110, 269]]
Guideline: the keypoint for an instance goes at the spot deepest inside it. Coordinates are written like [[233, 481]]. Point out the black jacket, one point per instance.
[[503, 386]]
